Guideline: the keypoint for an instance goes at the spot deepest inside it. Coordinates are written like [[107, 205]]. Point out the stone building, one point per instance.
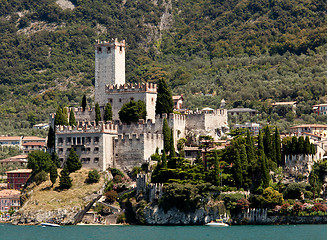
[[119, 145]]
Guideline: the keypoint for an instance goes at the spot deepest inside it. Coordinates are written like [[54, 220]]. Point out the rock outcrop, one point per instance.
[[153, 215]]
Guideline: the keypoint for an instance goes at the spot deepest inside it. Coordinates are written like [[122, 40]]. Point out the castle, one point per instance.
[[113, 144]]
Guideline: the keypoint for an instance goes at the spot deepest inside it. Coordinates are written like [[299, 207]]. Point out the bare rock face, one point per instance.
[[153, 215], [58, 216]]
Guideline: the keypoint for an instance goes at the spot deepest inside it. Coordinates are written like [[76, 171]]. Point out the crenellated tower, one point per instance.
[[109, 67]]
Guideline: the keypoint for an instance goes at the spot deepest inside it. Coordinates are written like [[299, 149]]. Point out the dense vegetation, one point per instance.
[[246, 52]]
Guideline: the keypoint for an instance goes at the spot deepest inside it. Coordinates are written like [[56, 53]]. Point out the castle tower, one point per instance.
[[109, 67]]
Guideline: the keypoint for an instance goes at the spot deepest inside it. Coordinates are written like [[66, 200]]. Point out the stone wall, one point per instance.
[[133, 150], [299, 164], [207, 121]]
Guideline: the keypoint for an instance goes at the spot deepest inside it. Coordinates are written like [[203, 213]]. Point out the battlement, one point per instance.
[[171, 116], [139, 127], [213, 112], [88, 127], [111, 43], [131, 87], [80, 110], [138, 137]]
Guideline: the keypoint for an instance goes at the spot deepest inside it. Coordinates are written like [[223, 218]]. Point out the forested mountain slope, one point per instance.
[[246, 51]]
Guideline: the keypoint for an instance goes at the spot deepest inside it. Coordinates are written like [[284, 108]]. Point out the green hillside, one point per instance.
[[244, 51]]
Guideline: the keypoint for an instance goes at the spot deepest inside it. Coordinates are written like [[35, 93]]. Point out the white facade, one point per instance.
[[109, 67]]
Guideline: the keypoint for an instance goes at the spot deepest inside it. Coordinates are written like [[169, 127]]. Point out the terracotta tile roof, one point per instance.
[[18, 158], [33, 138], [10, 138], [34, 144], [6, 193]]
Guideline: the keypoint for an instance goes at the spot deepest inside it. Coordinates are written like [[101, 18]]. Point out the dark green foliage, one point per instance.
[[132, 112], [51, 138], [164, 159], [93, 176], [55, 159], [295, 190], [166, 135], [278, 147], [165, 102], [116, 172], [72, 120], [83, 104], [53, 174], [64, 116], [107, 113], [317, 176], [237, 170], [59, 118], [40, 177], [172, 152], [185, 197], [267, 143], [307, 148], [97, 113], [65, 182], [73, 163], [298, 146], [39, 161]]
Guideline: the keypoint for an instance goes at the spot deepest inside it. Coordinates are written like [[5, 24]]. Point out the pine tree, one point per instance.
[[53, 174], [84, 102], [278, 147], [165, 102], [97, 113], [65, 182], [108, 113], [51, 138], [73, 163], [72, 120], [164, 159], [166, 135]]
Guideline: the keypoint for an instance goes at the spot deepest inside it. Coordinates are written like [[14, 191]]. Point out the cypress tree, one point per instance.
[[97, 113], [73, 163], [294, 148], [166, 135], [238, 173], [172, 152], [216, 169], [59, 119], [250, 148], [84, 102], [165, 102], [55, 159], [108, 113], [65, 182], [301, 145], [307, 146], [264, 171], [65, 116], [278, 147], [267, 142], [164, 159], [244, 159], [51, 138], [53, 174], [261, 151], [72, 120]]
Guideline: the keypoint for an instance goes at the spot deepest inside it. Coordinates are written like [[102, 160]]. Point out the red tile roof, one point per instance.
[[34, 144]]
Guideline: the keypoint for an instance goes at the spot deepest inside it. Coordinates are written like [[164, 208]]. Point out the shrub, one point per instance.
[[40, 177], [242, 204], [111, 196], [115, 172], [93, 176], [319, 207]]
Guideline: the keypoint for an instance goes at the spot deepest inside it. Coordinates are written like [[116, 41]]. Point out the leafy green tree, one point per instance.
[[65, 116], [64, 181], [83, 103], [180, 147], [132, 112], [271, 198], [166, 135], [307, 145], [108, 113], [73, 163], [301, 145], [51, 138], [39, 161], [59, 117], [40, 177], [72, 120], [267, 143], [53, 174], [97, 113], [165, 102], [237, 169]]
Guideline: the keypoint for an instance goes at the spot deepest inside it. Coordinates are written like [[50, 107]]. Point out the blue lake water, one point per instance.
[[296, 232]]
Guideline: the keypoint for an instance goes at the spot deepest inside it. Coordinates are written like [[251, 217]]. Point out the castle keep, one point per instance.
[[113, 144]]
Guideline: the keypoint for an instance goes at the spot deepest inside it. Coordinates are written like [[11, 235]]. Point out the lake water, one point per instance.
[[296, 232]]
